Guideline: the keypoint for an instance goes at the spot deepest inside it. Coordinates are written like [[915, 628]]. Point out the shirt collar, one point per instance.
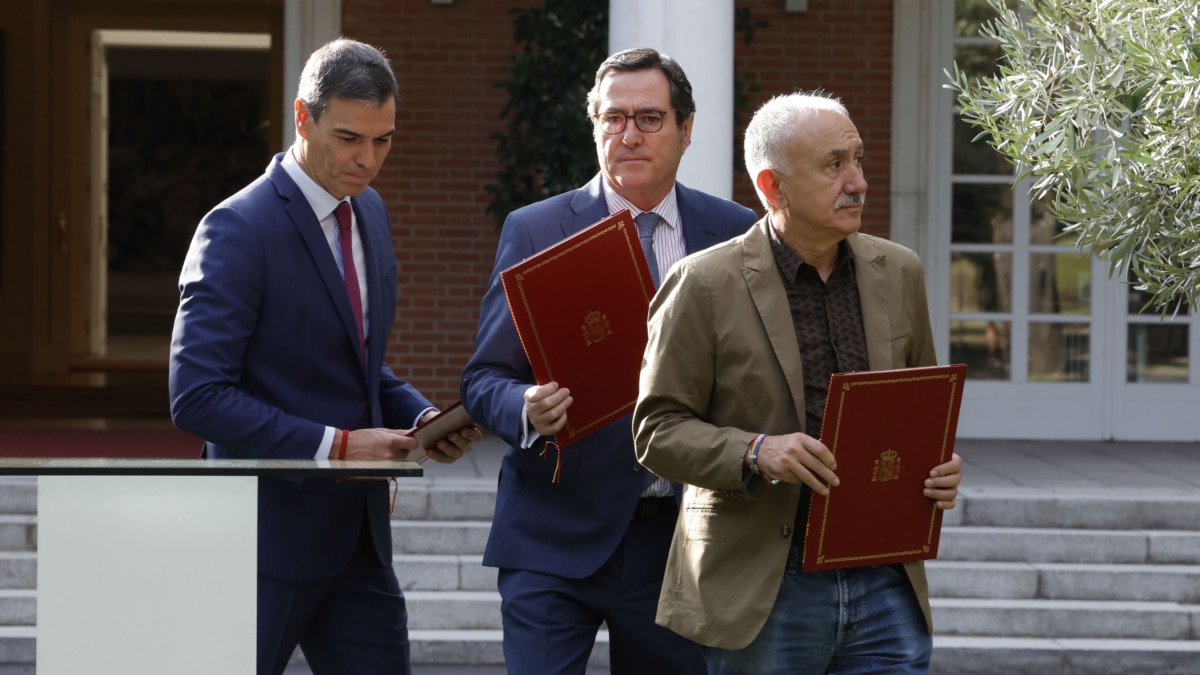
[[790, 264], [322, 202], [667, 209]]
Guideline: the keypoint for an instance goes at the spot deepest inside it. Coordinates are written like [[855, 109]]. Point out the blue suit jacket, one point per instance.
[[264, 355], [571, 527]]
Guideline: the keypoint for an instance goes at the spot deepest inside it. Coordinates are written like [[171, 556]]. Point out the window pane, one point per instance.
[[1060, 283], [969, 14], [983, 346], [1139, 302], [980, 282], [1059, 352], [975, 155], [1157, 353], [982, 214], [1044, 228]]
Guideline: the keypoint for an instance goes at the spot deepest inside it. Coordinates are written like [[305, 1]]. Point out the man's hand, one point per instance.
[[942, 484], [451, 448], [798, 458], [376, 444], [546, 407]]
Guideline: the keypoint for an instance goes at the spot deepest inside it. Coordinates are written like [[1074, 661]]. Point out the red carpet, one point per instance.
[[170, 443]]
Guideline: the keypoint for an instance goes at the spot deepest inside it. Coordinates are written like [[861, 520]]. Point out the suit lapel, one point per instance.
[[587, 208], [770, 299], [306, 223], [373, 248], [698, 232], [870, 271]]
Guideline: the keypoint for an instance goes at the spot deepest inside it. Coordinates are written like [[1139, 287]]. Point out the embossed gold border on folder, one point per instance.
[[954, 381]]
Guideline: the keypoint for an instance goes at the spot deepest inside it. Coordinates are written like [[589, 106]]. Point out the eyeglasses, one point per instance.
[[647, 121]]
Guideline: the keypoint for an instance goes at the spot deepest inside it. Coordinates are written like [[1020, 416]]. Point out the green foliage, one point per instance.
[[1099, 102], [547, 147]]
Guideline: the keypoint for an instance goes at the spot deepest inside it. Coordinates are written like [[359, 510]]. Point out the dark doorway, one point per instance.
[[187, 127]]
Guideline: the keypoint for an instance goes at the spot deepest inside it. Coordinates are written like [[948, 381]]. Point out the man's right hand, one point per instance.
[[376, 444], [546, 407], [798, 458]]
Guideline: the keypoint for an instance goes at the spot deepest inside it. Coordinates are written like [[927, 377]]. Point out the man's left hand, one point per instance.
[[942, 484], [453, 447]]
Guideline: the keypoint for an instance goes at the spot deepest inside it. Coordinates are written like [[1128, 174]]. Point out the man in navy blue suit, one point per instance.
[[287, 297], [591, 548]]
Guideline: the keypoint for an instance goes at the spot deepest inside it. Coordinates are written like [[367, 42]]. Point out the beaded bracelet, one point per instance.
[[754, 446]]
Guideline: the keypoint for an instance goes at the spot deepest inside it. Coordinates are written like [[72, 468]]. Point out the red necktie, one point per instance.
[[342, 215]]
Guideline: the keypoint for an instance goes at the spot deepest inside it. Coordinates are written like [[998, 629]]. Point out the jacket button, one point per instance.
[[785, 531]]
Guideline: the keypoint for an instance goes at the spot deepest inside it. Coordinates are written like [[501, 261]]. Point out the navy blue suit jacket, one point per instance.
[[264, 356], [572, 527]]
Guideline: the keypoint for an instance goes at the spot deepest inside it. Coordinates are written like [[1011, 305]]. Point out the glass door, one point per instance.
[[1055, 349]]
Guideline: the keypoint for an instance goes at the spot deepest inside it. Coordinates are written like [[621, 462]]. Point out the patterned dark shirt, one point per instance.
[[827, 318]]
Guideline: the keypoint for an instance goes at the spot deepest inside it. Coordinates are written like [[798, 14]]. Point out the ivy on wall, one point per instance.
[[547, 146]]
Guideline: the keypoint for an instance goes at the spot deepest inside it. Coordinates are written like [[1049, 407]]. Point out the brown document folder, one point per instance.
[[886, 429], [580, 309], [438, 427]]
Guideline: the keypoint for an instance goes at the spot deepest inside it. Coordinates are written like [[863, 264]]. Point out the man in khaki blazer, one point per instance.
[[723, 373]]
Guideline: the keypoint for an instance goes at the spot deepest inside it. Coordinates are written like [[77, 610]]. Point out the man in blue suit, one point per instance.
[[287, 297], [591, 548]]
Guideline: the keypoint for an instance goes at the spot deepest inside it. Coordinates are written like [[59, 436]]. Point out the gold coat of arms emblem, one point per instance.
[[595, 327], [887, 467]]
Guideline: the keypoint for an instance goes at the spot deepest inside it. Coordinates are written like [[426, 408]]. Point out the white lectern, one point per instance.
[[148, 566]]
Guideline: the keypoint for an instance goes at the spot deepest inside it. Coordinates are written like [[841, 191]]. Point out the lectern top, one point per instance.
[[93, 466]]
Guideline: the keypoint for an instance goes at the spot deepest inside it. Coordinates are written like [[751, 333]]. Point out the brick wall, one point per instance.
[[844, 48], [448, 59]]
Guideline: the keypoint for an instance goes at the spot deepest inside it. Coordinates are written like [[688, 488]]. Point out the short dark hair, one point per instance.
[[644, 58], [346, 69]]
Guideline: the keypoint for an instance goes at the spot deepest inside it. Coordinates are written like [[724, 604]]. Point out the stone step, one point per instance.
[[18, 644], [1066, 619], [18, 607], [18, 495], [477, 647], [445, 500], [466, 537], [18, 532], [18, 569], [1064, 581], [953, 655], [1117, 509], [455, 610], [1026, 544], [427, 572]]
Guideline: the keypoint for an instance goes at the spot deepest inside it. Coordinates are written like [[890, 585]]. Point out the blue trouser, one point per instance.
[[855, 620], [550, 622]]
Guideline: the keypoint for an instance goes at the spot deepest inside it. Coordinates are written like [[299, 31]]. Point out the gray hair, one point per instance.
[[771, 131], [346, 69]]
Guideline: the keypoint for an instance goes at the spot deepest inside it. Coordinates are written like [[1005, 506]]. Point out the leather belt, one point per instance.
[[649, 507]]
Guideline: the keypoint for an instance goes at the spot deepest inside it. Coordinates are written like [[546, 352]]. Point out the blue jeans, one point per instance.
[[856, 620]]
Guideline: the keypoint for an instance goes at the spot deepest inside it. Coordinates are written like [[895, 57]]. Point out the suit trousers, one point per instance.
[[550, 622], [355, 623]]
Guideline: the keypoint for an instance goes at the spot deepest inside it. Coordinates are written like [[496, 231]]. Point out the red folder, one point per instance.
[[580, 309], [886, 429]]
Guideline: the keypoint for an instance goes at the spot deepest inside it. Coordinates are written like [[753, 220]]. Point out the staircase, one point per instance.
[[1027, 581]]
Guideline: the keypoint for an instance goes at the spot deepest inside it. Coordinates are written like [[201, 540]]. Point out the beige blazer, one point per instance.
[[721, 366]]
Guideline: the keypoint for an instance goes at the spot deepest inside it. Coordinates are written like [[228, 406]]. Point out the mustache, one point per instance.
[[855, 199]]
